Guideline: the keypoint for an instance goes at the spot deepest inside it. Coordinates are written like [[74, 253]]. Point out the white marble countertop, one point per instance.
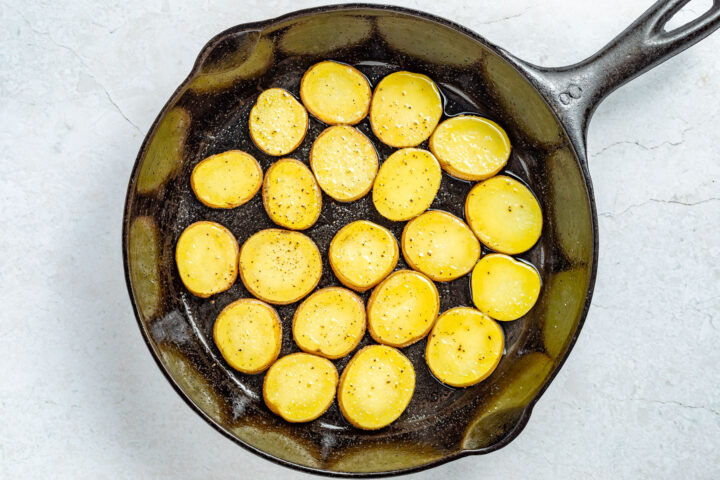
[[80, 397]]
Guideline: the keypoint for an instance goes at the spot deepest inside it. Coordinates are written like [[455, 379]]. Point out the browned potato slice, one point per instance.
[[376, 387], [291, 195], [248, 334], [402, 308], [335, 93], [470, 147], [226, 180], [504, 214], [362, 253], [405, 109], [280, 266], [406, 184], [278, 122], [504, 288], [464, 347], [207, 258], [344, 162], [440, 245], [330, 322], [300, 387]]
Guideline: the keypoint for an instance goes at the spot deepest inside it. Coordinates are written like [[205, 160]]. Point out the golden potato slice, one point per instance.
[[226, 180], [464, 347], [362, 253], [504, 288], [278, 122], [335, 93], [300, 387], [207, 258], [330, 322], [470, 147], [376, 387], [344, 162], [248, 334], [405, 109], [406, 184], [291, 195], [280, 266], [402, 309], [504, 214], [440, 245]]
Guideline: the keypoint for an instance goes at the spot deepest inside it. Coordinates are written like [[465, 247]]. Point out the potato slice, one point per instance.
[[335, 93], [406, 184], [376, 387], [464, 347], [291, 195], [470, 147], [300, 387], [362, 253], [207, 258], [278, 122], [248, 334], [504, 288], [403, 308], [280, 266], [330, 322], [226, 180], [405, 109], [440, 245], [344, 162], [504, 214]]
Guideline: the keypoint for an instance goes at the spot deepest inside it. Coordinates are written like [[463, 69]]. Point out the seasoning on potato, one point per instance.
[[440, 245], [376, 387], [226, 180], [464, 347], [248, 334], [504, 288], [344, 162], [402, 308], [335, 93], [300, 387], [278, 122], [405, 109], [504, 214], [207, 258], [291, 195], [406, 184], [280, 266], [330, 322]]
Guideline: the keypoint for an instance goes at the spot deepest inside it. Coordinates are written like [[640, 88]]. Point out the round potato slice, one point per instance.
[[504, 288], [335, 93], [248, 334], [300, 387], [362, 253], [464, 347], [470, 147], [226, 180], [330, 322], [405, 109], [406, 184], [344, 162], [440, 245], [504, 214], [402, 308], [291, 195], [376, 387], [207, 258], [278, 122], [279, 266]]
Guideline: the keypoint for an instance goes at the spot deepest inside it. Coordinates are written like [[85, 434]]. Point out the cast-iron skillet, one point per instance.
[[546, 113]]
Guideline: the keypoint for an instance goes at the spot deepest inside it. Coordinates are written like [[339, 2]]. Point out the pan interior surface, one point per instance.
[[209, 115]]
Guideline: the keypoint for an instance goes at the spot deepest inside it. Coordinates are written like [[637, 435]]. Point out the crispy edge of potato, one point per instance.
[[247, 198], [304, 128], [321, 117], [315, 188]]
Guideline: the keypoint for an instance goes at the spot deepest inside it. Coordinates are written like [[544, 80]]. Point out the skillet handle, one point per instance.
[[576, 90]]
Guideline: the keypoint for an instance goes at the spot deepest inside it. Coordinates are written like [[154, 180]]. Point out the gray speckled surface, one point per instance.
[[81, 397]]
